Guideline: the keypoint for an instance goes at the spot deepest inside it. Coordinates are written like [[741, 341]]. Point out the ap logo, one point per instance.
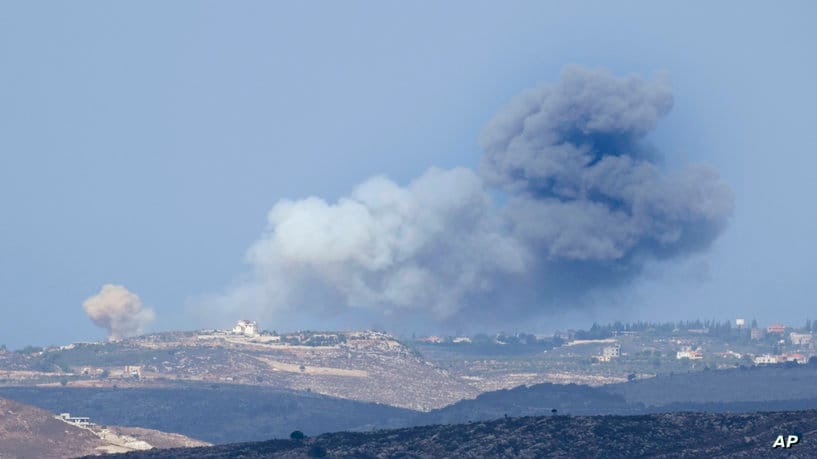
[[786, 441]]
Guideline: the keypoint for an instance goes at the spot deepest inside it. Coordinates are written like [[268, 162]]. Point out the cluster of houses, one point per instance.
[[246, 328]]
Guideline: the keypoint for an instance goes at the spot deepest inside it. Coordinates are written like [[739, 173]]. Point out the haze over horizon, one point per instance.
[[167, 155]]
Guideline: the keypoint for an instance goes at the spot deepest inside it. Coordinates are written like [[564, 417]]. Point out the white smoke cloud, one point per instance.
[[428, 245], [587, 204], [118, 311]]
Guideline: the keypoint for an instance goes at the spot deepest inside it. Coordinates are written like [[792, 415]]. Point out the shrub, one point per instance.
[[317, 451], [297, 435]]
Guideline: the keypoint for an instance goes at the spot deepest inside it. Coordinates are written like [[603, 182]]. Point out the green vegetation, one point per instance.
[[30, 350]]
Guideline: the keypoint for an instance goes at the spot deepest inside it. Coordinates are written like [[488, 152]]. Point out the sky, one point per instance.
[[145, 144]]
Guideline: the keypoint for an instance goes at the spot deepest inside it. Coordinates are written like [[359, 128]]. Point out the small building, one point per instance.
[[612, 352], [246, 328], [76, 420], [132, 372], [776, 328], [728, 354], [690, 354], [756, 333], [795, 357], [800, 339], [765, 359], [462, 339], [431, 339]]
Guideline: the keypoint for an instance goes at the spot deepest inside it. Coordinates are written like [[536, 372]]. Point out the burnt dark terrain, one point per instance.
[[655, 435]]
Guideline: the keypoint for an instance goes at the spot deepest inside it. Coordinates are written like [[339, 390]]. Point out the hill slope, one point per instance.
[[215, 413], [27, 431]]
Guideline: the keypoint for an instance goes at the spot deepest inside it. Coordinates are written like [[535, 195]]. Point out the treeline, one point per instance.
[[710, 327]]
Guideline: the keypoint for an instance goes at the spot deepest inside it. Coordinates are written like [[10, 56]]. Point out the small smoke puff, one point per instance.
[[118, 310]]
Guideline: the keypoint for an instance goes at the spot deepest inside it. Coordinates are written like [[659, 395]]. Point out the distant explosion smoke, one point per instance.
[[118, 311], [586, 189], [586, 204]]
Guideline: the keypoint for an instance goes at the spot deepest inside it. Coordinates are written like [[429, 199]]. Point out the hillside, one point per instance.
[[535, 400], [363, 366], [215, 413], [658, 435], [766, 383], [28, 432]]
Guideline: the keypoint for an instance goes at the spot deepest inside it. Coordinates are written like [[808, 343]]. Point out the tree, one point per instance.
[[30, 350], [297, 435]]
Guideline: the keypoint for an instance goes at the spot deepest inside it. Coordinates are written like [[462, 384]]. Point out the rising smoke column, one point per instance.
[[586, 204], [118, 311]]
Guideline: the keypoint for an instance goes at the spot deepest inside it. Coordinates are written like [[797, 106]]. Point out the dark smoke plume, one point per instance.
[[586, 188]]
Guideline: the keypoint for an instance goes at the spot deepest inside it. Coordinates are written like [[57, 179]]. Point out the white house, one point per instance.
[[246, 328], [76, 420], [688, 353], [800, 339], [765, 359], [612, 351]]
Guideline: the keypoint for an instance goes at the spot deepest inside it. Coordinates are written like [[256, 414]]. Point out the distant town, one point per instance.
[[725, 344]]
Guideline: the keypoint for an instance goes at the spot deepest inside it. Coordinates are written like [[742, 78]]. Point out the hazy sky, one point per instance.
[[143, 144]]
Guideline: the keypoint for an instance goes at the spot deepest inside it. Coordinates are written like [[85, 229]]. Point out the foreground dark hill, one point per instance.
[[657, 435]]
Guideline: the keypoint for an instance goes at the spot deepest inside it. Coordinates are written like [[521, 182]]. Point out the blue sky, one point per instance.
[[143, 143]]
